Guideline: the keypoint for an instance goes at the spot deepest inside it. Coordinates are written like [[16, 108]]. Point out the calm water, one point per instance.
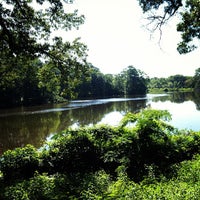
[[34, 125]]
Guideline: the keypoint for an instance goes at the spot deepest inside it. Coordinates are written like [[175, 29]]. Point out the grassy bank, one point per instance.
[[164, 90], [142, 158]]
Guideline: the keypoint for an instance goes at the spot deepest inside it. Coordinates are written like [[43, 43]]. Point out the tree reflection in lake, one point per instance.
[[33, 125], [183, 107], [197, 100], [19, 130]]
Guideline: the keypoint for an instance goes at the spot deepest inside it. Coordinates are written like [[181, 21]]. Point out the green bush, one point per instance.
[[143, 158], [70, 154], [39, 187], [19, 163], [149, 142], [190, 171]]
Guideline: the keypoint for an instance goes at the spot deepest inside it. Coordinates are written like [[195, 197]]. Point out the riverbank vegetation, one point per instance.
[[37, 65], [42, 83], [130, 81], [142, 158]]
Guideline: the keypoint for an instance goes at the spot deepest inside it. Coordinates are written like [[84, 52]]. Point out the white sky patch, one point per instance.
[[116, 38]]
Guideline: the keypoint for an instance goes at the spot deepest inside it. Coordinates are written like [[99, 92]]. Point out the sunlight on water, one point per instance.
[[184, 115], [112, 118]]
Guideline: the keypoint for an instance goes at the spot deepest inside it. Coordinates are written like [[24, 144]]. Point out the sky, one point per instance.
[[115, 34]]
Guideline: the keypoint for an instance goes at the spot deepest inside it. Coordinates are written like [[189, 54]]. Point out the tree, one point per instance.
[[160, 11], [197, 80], [174, 82], [177, 81], [132, 81], [158, 83], [26, 29], [18, 82], [97, 85]]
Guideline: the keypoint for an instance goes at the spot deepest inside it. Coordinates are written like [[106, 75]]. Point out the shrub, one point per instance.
[[19, 163], [39, 187], [190, 171], [141, 161], [70, 154]]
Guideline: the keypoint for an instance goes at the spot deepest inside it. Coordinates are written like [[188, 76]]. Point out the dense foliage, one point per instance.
[[36, 65], [142, 158], [160, 11], [39, 82], [26, 26], [130, 81], [176, 82]]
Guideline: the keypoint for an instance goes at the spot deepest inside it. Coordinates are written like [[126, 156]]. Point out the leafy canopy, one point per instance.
[[27, 34], [160, 11], [24, 29]]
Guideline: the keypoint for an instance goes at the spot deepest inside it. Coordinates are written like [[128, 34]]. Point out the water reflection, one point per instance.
[[19, 130], [183, 107], [176, 97], [197, 100], [33, 125]]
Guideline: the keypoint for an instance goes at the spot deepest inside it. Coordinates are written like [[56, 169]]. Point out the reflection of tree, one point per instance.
[[180, 97], [95, 113], [81, 116], [130, 106], [176, 97], [196, 100], [161, 98], [19, 130]]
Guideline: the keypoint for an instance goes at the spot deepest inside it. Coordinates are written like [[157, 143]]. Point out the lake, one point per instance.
[[34, 125]]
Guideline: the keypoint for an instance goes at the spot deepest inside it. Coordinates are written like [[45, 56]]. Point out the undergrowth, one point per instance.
[[142, 158]]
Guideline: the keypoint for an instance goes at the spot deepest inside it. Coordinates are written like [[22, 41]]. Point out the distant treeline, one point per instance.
[[176, 82]]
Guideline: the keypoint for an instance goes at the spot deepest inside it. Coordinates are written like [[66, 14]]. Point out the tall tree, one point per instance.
[[177, 81], [97, 85], [197, 80], [131, 81]]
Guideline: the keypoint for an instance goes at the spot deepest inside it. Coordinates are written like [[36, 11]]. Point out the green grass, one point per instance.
[[164, 90]]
